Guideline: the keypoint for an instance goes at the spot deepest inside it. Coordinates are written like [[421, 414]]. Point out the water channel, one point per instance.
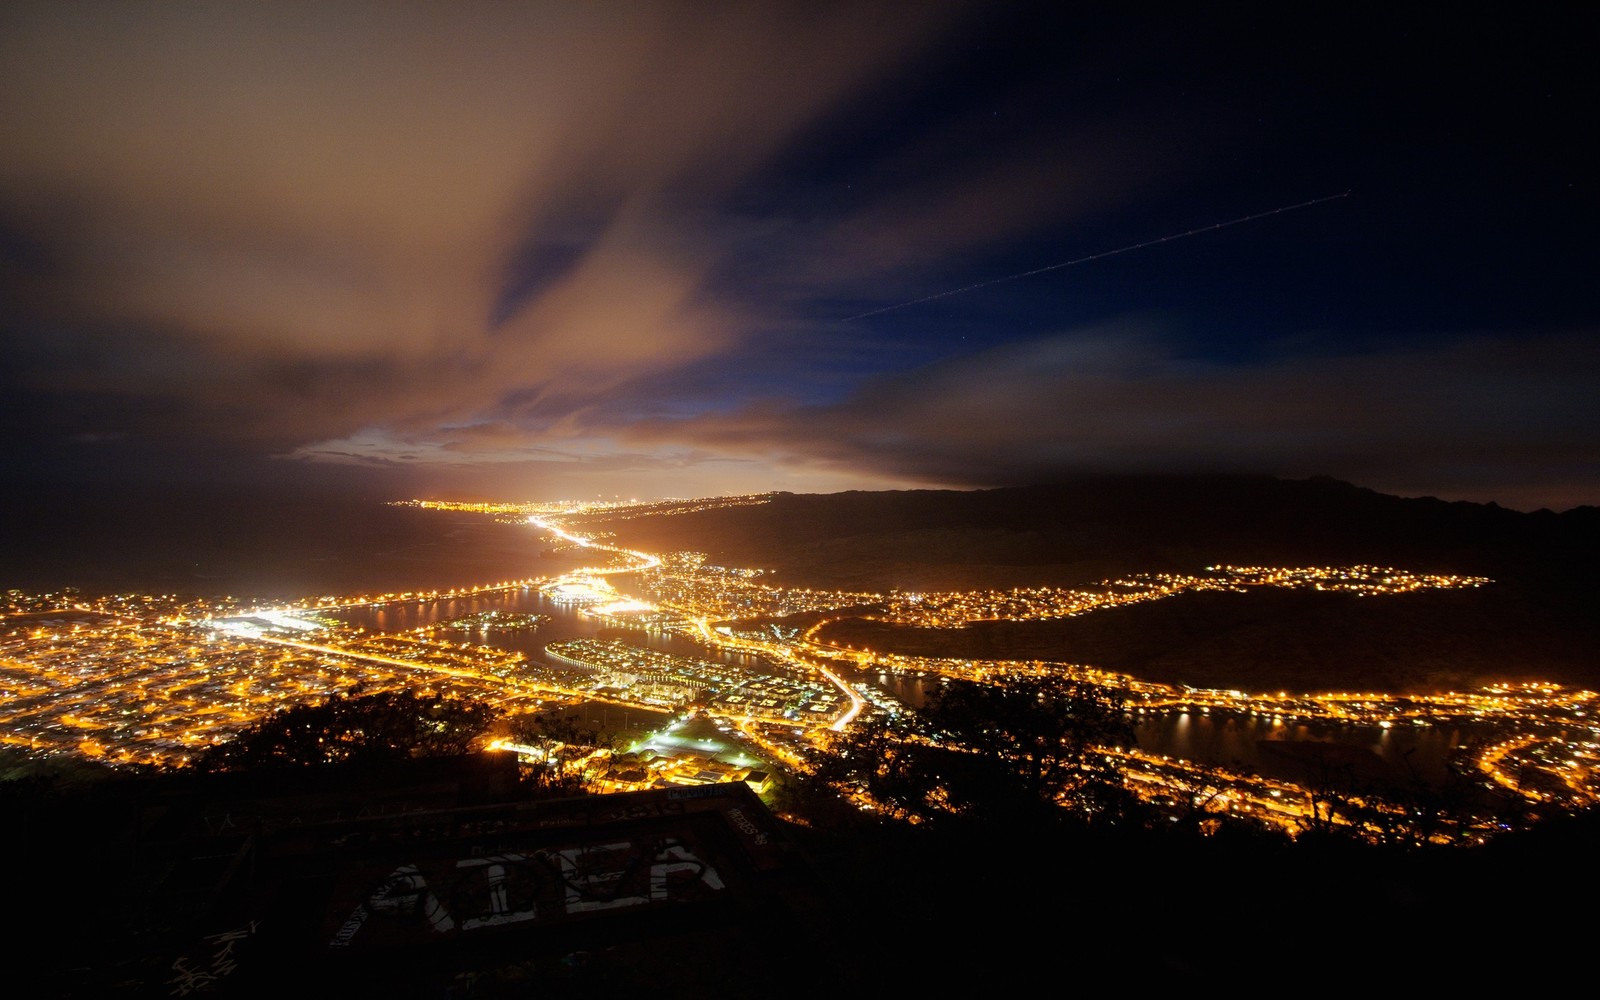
[[1227, 739]]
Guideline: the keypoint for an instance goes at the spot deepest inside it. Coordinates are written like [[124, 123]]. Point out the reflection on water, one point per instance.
[[566, 622], [1230, 740], [1220, 739], [257, 543]]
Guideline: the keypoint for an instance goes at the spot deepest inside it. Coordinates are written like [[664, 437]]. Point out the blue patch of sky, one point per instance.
[[553, 244], [1435, 240]]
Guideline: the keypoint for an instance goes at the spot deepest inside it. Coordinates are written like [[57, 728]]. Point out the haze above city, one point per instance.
[[548, 250]]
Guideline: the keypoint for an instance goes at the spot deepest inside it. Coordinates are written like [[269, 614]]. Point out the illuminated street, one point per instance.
[[139, 679]]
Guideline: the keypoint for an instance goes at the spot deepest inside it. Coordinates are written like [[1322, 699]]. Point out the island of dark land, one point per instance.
[[274, 544], [1536, 621]]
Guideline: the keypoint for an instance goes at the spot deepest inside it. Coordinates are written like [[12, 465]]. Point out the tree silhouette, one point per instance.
[[1028, 749], [562, 745], [1043, 740], [886, 765], [388, 726]]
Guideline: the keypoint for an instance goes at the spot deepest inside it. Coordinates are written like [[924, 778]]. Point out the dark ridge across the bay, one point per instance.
[[1266, 640], [1535, 621], [270, 544], [1080, 532]]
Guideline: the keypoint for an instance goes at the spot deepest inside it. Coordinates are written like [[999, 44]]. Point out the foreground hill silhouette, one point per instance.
[[378, 879], [1535, 622]]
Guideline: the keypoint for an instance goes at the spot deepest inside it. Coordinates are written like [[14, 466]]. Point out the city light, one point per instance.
[[143, 679]]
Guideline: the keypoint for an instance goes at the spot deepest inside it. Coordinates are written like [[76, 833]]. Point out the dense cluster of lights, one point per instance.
[[684, 583], [161, 689], [661, 678], [153, 678], [615, 508], [953, 610]]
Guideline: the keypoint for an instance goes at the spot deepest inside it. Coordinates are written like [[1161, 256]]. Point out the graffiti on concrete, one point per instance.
[[423, 899], [216, 959]]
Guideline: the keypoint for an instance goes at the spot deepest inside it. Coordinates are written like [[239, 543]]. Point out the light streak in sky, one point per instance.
[[1096, 256]]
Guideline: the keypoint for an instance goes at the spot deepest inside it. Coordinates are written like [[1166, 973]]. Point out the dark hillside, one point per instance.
[[1538, 620], [1081, 532], [333, 881], [1271, 640]]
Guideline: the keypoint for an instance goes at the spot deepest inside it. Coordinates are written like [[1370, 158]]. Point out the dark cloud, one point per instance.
[[611, 247], [380, 196], [1478, 414]]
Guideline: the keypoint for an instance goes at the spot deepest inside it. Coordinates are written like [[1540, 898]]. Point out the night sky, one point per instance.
[[552, 250]]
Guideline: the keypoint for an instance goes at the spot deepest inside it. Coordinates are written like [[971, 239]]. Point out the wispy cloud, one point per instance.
[[525, 244]]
